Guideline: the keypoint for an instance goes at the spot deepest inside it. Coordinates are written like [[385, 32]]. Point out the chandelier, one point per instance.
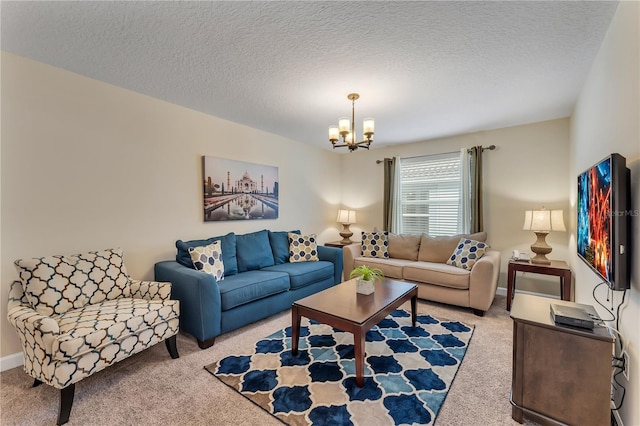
[[346, 129]]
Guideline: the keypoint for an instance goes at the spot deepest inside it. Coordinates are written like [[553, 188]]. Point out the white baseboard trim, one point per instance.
[[11, 361], [503, 292]]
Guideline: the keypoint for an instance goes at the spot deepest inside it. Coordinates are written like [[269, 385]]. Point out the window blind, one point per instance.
[[430, 194]]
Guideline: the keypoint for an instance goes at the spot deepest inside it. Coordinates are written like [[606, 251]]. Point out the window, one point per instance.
[[431, 194]]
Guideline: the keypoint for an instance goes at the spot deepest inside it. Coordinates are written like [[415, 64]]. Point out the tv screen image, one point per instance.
[[602, 220]]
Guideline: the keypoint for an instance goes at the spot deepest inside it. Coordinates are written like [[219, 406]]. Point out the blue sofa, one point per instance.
[[259, 281]]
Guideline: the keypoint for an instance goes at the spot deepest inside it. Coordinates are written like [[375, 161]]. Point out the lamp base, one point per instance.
[[346, 234], [541, 249]]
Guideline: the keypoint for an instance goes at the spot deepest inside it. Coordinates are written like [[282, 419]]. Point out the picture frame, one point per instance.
[[238, 190]]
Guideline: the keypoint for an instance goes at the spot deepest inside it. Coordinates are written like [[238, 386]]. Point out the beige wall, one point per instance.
[[87, 165], [607, 119], [527, 170]]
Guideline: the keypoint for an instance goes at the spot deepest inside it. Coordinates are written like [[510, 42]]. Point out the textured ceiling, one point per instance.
[[423, 69]]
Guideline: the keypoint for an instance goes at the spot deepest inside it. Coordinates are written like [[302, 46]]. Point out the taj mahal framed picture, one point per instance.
[[237, 190]]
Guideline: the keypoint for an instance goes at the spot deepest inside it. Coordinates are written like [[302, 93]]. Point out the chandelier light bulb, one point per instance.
[[344, 124], [334, 134], [349, 138], [367, 127]]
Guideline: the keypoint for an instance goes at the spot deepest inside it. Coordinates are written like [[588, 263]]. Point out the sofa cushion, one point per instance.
[[375, 244], [121, 321], [208, 259], [437, 273], [404, 246], [302, 274], [392, 268], [228, 252], [439, 249], [467, 253], [279, 241], [251, 285], [253, 251], [54, 285], [303, 248]]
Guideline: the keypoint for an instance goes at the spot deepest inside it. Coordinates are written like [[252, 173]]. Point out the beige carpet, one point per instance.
[[151, 389]]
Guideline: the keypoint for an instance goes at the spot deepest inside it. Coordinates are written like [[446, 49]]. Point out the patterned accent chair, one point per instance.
[[76, 315]]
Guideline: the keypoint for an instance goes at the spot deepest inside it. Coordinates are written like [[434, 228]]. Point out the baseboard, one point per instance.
[[503, 292], [11, 361]]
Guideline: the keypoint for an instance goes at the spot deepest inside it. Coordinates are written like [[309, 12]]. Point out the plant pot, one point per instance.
[[365, 287]]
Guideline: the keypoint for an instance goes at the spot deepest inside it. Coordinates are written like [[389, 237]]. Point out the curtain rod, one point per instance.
[[490, 148]]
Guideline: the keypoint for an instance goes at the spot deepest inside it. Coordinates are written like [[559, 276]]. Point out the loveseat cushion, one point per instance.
[[279, 241], [54, 285], [404, 246], [392, 268], [251, 285], [253, 251], [302, 274], [437, 273], [228, 252], [121, 321], [438, 249]]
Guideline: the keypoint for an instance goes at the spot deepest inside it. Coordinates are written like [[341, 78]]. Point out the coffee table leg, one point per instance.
[[414, 301], [358, 340], [295, 329]]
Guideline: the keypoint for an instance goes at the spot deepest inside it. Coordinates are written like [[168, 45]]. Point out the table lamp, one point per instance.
[[346, 218], [541, 222]]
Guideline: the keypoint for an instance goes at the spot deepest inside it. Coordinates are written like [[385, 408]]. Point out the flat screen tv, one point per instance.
[[603, 220]]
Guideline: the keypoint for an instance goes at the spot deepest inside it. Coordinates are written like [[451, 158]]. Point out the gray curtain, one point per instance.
[[389, 172], [477, 216]]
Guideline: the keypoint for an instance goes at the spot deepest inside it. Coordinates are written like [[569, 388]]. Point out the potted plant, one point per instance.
[[367, 278]]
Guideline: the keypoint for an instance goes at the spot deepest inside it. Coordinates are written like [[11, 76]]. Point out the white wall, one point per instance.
[[527, 170], [606, 119], [87, 165]]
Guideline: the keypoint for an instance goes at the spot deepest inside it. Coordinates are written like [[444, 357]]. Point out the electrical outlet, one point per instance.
[[627, 364]]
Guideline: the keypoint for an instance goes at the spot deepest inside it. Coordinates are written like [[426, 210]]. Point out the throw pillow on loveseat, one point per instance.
[[259, 280]]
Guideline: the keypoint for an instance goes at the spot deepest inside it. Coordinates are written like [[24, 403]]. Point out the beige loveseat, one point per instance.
[[422, 260]]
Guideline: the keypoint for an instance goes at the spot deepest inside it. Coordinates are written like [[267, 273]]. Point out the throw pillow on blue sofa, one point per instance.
[[228, 243], [253, 251], [280, 245]]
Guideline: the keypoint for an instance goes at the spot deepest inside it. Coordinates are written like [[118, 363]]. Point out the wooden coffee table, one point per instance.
[[343, 308]]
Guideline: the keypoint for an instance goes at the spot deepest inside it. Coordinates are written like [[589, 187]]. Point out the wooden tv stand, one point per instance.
[[561, 375]]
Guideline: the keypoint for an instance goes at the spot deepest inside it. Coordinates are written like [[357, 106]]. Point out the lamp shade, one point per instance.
[[333, 133], [346, 216], [543, 220]]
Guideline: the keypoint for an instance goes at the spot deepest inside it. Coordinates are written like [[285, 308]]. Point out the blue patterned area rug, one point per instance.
[[408, 372]]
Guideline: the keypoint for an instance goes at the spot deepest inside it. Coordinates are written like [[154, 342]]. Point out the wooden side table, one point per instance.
[[340, 244], [561, 375], [558, 268]]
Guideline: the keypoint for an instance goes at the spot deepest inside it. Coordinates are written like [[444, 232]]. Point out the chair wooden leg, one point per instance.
[[36, 382], [478, 312], [66, 401], [172, 347]]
